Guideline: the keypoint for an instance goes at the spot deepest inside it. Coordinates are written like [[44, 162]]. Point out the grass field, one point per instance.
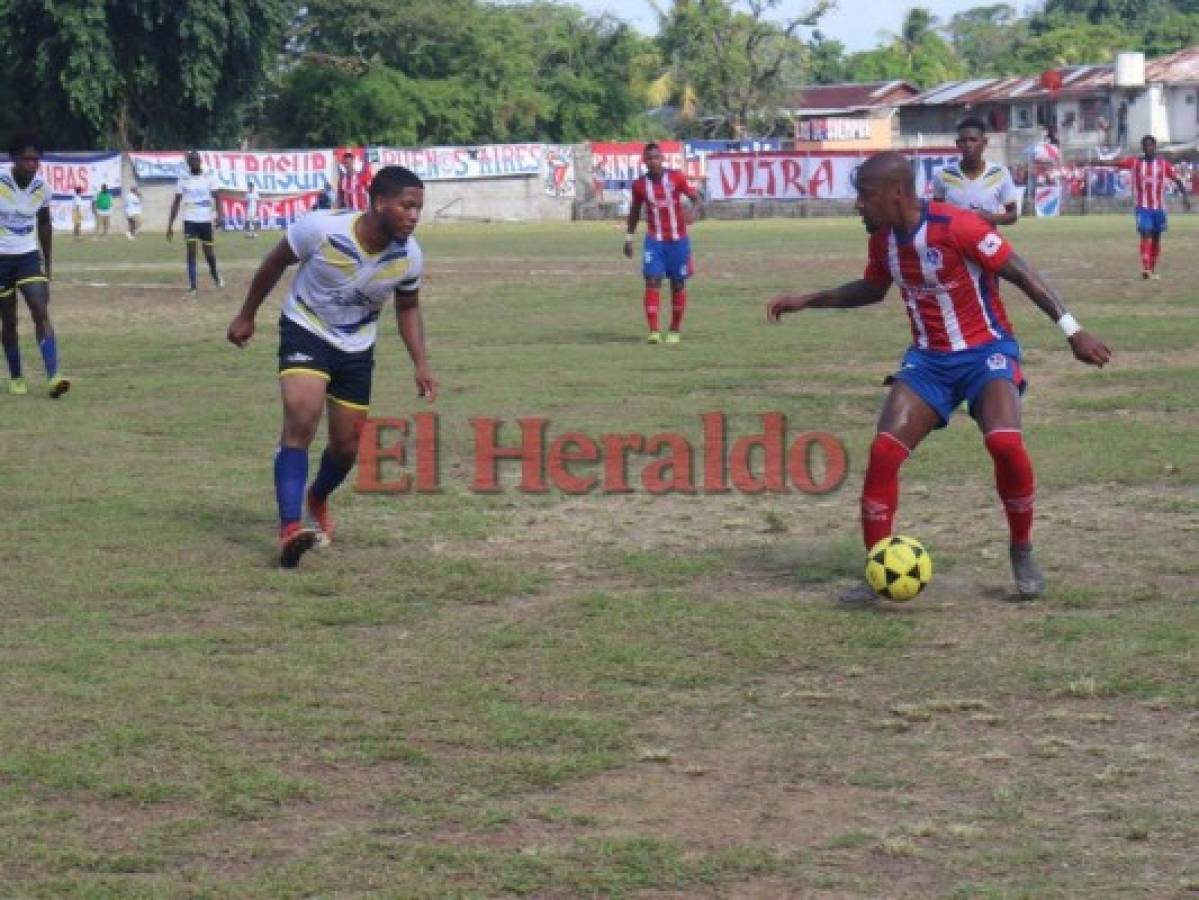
[[602, 695]]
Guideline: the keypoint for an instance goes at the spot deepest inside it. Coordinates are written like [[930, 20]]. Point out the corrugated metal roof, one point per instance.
[[1077, 81]]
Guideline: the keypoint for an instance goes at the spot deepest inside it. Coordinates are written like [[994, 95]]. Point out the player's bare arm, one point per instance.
[[45, 236], [847, 296], [1087, 347], [1182, 189], [631, 226], [241, 329], [412, 331], [171, 217], [1009, 216]]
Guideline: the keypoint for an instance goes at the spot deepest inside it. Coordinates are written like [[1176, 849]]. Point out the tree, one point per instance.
[[826, 60], [735, 57], [143, 73], [918, 54], [987, 39]]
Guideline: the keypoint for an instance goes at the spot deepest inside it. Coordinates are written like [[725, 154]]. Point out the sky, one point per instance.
[[856, 23]]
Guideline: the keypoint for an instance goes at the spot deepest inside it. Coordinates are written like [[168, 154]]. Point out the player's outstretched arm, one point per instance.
[[45, 236], [1087, 347], [241, 329], [847, 296], [412, 330], [171, 217]]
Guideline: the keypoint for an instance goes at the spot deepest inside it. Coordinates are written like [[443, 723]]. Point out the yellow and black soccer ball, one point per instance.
[[898, 568]]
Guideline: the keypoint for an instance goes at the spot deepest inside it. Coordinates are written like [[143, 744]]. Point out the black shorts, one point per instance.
[[349, 374], [20, 269], [198, 231]]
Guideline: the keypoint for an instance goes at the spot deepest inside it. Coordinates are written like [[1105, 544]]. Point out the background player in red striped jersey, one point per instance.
[[660, 192], [947, 263], [1149, 175]]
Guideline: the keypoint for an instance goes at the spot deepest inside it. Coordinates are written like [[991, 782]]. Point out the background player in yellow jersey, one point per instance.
[[24, 224], [194, 193], [984, 188], [350, 264]]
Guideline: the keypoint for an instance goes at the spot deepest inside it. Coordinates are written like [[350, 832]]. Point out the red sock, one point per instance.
[[1155, 250], [880, 491], [678, 305], [1146, 254], [652, 299], [1015, 480]]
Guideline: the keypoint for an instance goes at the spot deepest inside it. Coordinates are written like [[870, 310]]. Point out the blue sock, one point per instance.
[[330, 475], [12, 352], [49, 348], [191, 273], [291, 473]]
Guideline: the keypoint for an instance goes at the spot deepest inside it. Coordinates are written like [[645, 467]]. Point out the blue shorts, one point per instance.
[[667, 259], [19, 269], [944, 380], [348, 374], [1151, 221]]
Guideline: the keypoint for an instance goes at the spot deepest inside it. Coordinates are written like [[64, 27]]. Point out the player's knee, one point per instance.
[[1005, 444], [887, 453]]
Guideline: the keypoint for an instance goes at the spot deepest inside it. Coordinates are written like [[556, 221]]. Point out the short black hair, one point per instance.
[[973, 122], [1148, 137], [23, 141], [652, 145], [392, 180]]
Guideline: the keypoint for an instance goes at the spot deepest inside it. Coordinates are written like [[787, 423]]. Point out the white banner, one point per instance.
[[804, 176], [64, 172], [454, 163], [271, 171]]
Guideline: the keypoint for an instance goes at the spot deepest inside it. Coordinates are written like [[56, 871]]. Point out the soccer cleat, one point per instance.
[[59, 385], [1030, 580], [654, 338], [129, 235], [859, 595], [18, 387], [320, 520], [1155, 276], [220, 282], [1145, 274], [191, 293], [294, 541], [672, 337]]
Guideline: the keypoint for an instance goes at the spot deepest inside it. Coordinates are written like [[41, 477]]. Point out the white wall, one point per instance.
[[1182, 111]]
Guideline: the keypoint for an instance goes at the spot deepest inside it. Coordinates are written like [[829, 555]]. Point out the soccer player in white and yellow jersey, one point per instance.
[[24, 224], [350, 264], [984, 188], [194, 194]]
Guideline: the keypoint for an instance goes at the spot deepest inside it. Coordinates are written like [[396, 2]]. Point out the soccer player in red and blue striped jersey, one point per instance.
[[947, 263], [660, 192], [1149, 176]]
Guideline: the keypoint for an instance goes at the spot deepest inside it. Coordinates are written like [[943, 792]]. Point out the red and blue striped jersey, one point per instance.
[[947, 271], [1149, 180], [663, 202]]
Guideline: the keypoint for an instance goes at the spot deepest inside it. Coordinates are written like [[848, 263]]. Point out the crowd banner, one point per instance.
[[64, 172], [271, 171], [834, 129], [559, 172], [274, 211], [697, 153], [614, 167], [466, 162], [1047, 200], [798, 175]]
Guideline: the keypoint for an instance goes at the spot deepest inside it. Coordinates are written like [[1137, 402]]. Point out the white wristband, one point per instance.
[[629, 238], [1069, 325]]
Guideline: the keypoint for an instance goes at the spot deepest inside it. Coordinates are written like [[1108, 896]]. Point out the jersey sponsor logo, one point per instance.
[[996, 362], [990, 244]]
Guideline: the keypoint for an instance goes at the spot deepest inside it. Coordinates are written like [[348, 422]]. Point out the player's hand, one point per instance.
[[426, 385], [628, 248], [784, 303], [241, 329], [1089, 349]]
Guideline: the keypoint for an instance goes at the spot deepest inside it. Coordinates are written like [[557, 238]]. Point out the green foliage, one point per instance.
[[456, 71], [142, 73], [918, 54]]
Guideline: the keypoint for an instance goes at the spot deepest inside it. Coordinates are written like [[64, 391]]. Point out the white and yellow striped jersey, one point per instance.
[[991, 192], [18, 213], [340, 289], [196, 192]]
